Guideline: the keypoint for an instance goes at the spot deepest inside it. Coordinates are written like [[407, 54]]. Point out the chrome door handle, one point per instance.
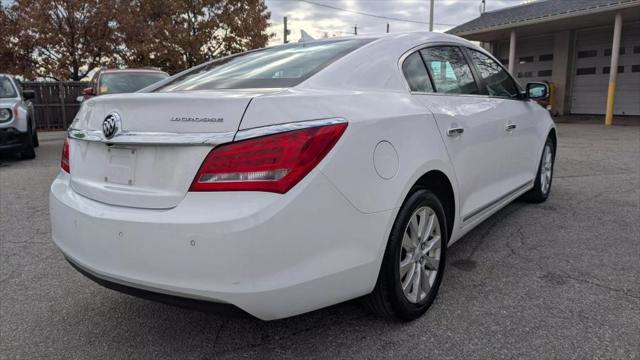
[[510, 127], [455, 131]]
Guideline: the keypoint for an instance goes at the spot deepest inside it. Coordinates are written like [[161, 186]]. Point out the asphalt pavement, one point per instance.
[[558, 280]]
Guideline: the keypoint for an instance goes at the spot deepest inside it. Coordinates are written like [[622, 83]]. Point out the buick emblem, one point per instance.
[[111, 125]]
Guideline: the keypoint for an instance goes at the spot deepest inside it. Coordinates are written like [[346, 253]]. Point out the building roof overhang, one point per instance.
[[593, 17]]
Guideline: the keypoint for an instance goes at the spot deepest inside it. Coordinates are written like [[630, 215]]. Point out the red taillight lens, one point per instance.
[[273, 163], [64, 161]]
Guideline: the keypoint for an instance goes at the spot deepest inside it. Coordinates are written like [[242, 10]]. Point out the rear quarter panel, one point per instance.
[[373, 116]]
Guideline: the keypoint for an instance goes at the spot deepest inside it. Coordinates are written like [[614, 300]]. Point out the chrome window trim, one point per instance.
[[406, 54], [195, 139], [526, 186], [153, 138], [278, 128]]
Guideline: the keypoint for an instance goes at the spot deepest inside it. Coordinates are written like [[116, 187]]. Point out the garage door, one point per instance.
[[591, 72], [534, 58]]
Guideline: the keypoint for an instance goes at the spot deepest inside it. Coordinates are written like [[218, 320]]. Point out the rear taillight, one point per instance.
[[64, 161], [273, 163]]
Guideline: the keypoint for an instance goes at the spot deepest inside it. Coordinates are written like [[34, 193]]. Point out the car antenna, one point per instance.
[[304, 37]]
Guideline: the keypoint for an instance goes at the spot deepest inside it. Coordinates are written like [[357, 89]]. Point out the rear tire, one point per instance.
[[28, 152], [412, 266], [544, 177]]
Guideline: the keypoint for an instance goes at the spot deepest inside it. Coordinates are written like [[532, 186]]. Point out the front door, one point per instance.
[[519, 118]]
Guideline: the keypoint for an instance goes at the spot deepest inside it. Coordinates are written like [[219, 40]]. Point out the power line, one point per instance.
[[370, 15]]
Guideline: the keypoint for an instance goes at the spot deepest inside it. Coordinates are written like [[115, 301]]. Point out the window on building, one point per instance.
[[635, 68], [607, 69], [636, 49], [545, 57], [586, 71], [496, 80], [525, 59], [607, 52], [544, 73], [416, 73], [587, 54], [526, 74], [449, 70]]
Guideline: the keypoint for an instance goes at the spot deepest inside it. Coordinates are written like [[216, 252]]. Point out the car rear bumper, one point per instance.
[[271, 255], [205, 306]]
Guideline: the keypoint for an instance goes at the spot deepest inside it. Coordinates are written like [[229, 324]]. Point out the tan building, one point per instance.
[[569, 43]]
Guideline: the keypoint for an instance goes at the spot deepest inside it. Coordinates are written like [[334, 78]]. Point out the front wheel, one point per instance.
[[413, 262], [542, 185], [28, 152], [36, 141]]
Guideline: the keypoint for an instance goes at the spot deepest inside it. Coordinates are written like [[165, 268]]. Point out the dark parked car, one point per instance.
[[118, 81]]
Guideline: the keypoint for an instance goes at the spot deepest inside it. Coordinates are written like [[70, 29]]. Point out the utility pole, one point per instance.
[[431, 17], [287, 32], [387, 27], [355, 30]]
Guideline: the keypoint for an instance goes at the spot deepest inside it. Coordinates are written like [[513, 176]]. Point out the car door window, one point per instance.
[[497, 81], [449, 70], [416, 73]]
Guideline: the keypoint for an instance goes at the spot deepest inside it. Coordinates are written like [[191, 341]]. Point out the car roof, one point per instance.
[[141, 70], [418, 36], [356, 70]]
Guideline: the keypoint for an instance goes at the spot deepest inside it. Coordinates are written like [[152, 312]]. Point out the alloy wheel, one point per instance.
[[420, 254], [546, 169]]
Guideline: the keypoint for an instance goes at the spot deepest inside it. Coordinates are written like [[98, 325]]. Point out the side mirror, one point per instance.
[[537, 91], [88, 91], [80, 99], [29, 94]]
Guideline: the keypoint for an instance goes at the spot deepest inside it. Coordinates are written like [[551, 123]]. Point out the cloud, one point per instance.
[[321, 21]]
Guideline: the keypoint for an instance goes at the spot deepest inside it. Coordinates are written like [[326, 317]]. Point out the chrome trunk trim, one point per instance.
[[153, 138], [194, 139]]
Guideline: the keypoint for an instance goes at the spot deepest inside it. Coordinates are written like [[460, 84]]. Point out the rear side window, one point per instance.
[[416, 73], [127, 82], [280, 66], [497, 81], [449, 70]]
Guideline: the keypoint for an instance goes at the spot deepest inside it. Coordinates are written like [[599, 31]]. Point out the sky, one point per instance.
[[319, 21]]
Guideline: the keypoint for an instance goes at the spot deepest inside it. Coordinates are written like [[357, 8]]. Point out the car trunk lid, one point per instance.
[[161, 141]]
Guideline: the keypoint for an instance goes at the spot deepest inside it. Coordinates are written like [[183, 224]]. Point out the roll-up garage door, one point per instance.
[[591, 71], [534, 58]]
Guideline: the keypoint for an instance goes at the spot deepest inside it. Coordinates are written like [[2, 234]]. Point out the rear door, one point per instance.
[[472, 133]]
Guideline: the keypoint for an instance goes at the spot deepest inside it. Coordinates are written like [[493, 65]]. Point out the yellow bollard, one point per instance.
[[608, 120]]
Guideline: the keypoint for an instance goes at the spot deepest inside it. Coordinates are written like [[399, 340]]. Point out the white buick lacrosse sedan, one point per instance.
[[287, 179]]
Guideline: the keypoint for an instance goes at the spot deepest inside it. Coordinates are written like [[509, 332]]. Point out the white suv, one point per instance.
[[17, 122], [290, 178]]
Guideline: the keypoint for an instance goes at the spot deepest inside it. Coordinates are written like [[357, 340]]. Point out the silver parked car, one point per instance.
[[17, 124]]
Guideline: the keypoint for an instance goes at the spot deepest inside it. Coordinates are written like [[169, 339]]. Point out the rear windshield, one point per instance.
[[276, 67], [6, 88], [127, 82]]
